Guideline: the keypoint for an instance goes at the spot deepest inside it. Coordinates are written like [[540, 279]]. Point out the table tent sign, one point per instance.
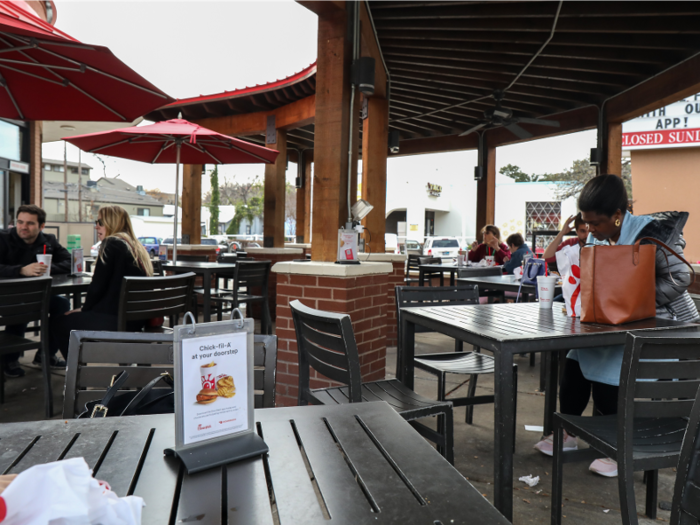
[[77, 263], [214, 398]]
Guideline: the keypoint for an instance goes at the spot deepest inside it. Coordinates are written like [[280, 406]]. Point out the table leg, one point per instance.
[[550, 390], [504, 439], [405, 353], [452, 277], [421, 276], [207, 296]]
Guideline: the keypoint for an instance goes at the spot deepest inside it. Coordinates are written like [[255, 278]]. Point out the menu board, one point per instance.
[[214, 386]]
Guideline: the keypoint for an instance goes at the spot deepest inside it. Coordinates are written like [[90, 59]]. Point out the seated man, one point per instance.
[[518, 249], [557, 244], [18, 250]]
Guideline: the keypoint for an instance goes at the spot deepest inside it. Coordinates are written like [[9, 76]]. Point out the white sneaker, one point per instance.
[[605, 467], [546, 446]]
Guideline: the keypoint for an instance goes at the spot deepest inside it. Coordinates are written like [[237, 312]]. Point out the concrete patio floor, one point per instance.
[[589, 499]]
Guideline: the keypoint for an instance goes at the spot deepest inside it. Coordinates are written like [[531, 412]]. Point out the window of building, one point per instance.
[[85, 171], [47, 167], [57, 167], [10, 141], [74, 170], [542, 216], [145, 212]]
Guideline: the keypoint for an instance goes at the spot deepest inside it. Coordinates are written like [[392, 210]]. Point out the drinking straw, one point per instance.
[[44, 249]]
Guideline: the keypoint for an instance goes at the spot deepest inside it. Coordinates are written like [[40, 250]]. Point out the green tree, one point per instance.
[[575, 178], [214, 202], [518, 175], [250, 210]]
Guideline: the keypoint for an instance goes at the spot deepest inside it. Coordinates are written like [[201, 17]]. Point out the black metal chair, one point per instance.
[[326, 342], [429, 274], [658, 384], [457, 362], [23, 301], [412, 265], [143, 298], [193, 258], [249, 277], [93, 357], [685, 509]]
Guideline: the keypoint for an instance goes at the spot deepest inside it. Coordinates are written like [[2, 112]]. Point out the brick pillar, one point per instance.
[[363, 297]]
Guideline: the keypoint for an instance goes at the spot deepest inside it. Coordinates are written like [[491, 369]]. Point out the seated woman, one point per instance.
[[603, 204], [557, 244], [492, 246], [518, 249], [121, 255]]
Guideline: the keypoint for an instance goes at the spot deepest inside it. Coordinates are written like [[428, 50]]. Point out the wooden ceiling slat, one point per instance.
[[415, 129], [436, 122], [408, 96], [543, 64]]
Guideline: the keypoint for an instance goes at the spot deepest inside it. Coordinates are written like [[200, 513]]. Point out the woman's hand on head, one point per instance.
[[568, 225]]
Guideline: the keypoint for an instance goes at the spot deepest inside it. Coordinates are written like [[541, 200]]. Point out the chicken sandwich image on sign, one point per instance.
[[214, 386]]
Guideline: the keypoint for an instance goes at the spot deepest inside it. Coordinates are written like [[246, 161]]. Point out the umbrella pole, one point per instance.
[[177, 200]]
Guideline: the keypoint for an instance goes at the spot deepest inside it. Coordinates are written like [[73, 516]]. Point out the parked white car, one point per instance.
[[447, 248]]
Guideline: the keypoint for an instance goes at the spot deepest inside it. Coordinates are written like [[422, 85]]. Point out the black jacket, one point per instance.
[[15, 253], [106, 285], [673, 277]]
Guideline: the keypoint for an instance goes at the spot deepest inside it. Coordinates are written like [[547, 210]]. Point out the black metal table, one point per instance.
[[349, 464], [73, 285], [206, 270], [504, 283], [506, 330], [462, 271]]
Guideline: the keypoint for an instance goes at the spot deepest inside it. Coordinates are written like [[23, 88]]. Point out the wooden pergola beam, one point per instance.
[[291, 116], [670, 86], [323, 7]]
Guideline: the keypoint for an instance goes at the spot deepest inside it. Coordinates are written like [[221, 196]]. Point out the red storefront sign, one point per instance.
[[665, 137]]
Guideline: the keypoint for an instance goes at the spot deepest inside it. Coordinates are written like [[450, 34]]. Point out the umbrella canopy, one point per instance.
[[157, 143], [47, 75], [174, 141]]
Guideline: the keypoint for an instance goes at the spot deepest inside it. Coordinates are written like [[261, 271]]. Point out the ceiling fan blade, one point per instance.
[[518, 131], [541, 122], [472, 130]]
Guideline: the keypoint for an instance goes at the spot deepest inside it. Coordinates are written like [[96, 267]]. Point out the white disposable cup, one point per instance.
[[490, 260], [45, 259], [461, 260], [208, 376], [545, 289]]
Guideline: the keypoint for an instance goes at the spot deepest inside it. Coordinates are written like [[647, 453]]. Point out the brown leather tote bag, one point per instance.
[[618, 283]]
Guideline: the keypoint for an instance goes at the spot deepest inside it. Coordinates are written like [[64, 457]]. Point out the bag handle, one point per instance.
[[134, 403], [663, 245], [117, 382]]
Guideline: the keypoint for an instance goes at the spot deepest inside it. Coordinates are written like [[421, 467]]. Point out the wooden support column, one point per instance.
[[273, 220], [374, 154], [192, 203], [36, 185], [301, 197], [614, 149], [486, 191], [331, 133], [308, 181]]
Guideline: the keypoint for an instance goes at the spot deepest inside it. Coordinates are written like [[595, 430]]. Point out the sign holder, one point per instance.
[[212, 430], [77, 264]]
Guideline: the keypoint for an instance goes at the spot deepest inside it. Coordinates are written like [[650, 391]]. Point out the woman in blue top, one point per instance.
[[603, 203], [518, 249]]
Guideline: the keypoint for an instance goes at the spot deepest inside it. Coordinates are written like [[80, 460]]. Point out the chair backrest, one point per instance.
[[659, 379], [25, 300], [413, 263], [92, 358], [225, 257], [193, 258], [685, 509], [479, 272], [265, 361], [151, 297], [421, 296], [157, 267], [92, 363], [326, 343], [251, 274], [429, 260]]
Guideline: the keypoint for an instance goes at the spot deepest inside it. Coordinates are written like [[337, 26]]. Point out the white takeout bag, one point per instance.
[[569, 268], [65, 493]]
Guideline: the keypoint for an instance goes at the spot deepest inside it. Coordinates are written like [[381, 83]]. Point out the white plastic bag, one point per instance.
[[569, 267], [63, 493]]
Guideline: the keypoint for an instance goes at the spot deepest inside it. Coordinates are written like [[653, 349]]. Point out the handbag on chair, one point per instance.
[[618, 283], [532, 268]]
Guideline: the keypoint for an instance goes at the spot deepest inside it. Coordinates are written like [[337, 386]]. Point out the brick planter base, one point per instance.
[[363, 297]]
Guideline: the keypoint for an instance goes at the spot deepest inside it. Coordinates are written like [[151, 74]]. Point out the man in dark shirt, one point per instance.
[[19, 247]]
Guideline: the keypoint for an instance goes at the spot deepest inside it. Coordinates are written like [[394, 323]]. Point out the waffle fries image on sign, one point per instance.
[[225, 387]]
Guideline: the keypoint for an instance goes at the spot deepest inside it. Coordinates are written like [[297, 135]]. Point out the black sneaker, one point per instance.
[[55, 362], [14, 373]]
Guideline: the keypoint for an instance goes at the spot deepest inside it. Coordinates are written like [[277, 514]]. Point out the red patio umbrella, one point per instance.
[[174, 141], [46, 74]]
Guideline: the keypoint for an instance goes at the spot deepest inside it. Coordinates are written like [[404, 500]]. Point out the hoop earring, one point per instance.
[[617, 223]]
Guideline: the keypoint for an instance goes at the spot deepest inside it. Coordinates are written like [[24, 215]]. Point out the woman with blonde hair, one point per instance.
[[120, 255]]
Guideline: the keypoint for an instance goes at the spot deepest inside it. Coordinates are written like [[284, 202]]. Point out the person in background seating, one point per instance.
[[558, 243], [518, 249], [19, 247], [120, 255], [492, 246]]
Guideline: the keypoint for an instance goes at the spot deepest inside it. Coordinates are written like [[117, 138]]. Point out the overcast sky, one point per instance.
[[193, 48]]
